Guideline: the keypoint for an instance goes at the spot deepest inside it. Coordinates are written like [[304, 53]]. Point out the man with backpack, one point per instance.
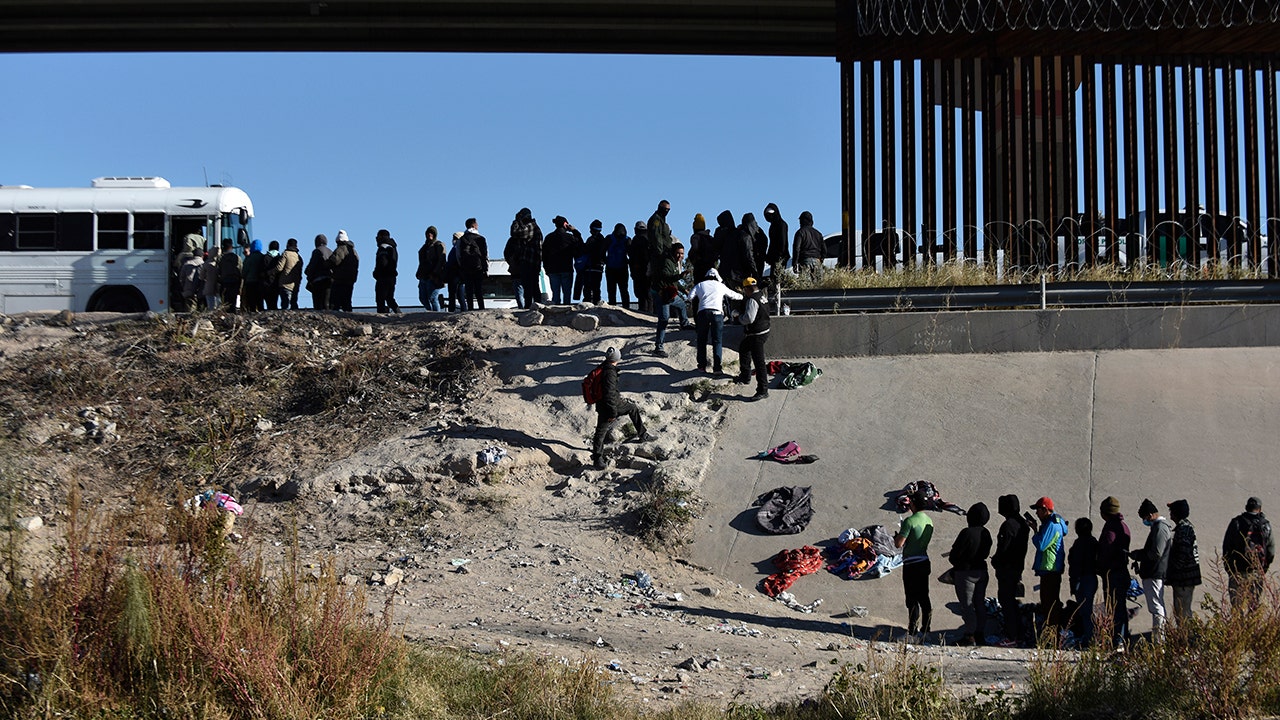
[[473, 264], [600, 388], [385, 271], [319, 274], [1248, 549]]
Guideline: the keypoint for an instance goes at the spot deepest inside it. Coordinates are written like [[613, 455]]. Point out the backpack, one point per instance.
[[798, 374], [1257, 534], [593, 386], [469, 256], [229, 268]]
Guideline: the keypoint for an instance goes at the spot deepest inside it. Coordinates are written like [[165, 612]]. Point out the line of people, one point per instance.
[[1169, 557]]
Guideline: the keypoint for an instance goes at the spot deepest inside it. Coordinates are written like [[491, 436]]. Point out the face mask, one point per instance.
[[1148, 523], [663, 211]]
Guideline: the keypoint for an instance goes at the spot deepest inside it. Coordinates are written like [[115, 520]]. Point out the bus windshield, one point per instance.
[[237, 227]]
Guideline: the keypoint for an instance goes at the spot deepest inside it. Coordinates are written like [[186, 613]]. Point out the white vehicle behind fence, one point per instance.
[[108, 247]]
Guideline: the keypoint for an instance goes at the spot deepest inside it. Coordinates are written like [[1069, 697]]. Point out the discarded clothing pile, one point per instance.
[[223, 501], [866, 553], [796, 374], [490, 455], [787, 453], [792, 565], [933, 499], [784, 510]]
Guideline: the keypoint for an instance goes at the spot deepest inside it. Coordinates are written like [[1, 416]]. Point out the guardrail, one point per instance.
[[1069, 294]]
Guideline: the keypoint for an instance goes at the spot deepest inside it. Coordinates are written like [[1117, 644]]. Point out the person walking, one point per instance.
[[290, 275], [969, 569], [755, 321], [1082, 578], [1050, 559], [1152, 564], [431, 260], [523, 254], [708, 308], [345, 264], [1184, 561], [615, 265], [559, 249], [1248, 549], [386, 263], [777, 253], [1113, 568], [638, 261], [192, 285], [611, 407], [473, 264], [1008, 562], [319, 274], [913, 536]]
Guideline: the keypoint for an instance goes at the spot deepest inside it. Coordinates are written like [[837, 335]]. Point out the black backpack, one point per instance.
[[469, 256], [1257, 535]]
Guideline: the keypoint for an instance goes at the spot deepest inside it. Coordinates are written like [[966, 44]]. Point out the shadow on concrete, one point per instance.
[[805, 623]]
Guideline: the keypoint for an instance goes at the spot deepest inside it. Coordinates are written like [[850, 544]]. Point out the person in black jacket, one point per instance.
[[319, 275], [704, 254], [611, 407], [1248, 549], [431, 261], [969, 568], [346, 268], [755, 321], [559, 249], [638, 259], [473, 264], [1082, 577], [809, 249], [1184, 561], [385, 270], [737, 261], [777, 253], [755, 238], [592, 273], [1009, 560], [523, 254], [1153, 563]]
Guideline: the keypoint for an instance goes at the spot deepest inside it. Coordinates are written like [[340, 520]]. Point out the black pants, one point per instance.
[[640, 280], [751, 350], [616, 280], [529, 282], [627, 408], [1050, 597], [340, 295], [591, 278], [230, 291], [474, 290], [384, 293], [270, 297], [915, 586], [320, 297], [1010, 604]]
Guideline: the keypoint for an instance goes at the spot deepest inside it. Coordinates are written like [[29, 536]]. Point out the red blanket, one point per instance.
[[792, 564]]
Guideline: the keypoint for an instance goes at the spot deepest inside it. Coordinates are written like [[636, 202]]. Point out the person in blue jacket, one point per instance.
[[1050, 542]]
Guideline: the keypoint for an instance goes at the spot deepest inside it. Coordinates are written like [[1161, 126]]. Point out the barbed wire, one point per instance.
[[919, 17]]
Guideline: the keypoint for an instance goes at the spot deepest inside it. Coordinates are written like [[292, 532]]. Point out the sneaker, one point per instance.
[[717, 371], [741, 379], [702, 370], [760, 395], [598, 462], [645, 437], [660, 353]]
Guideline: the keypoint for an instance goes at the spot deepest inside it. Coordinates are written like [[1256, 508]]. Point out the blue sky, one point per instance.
[[402, 141]]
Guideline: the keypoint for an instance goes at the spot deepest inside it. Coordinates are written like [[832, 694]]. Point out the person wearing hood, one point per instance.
[[737, 258], [704, 253], [1152, 563], [1113, 567], [523, 254], [808, 247], [345, 264], [289, 268], [1008, 562], [386, 263], [431, 260], [1050, 560], [754, 238], [254, 266], [777, 253], [638, 261], [319, 274], [969, 568], [1082, 578], [1184, 561], [708, 306], [271, 277], [615, 265], [559, 249], [591, 274]]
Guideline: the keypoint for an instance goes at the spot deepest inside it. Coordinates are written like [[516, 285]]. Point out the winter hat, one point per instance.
[[1110, 506], [713, 274], [1252, 504], [321, 240], [596, 224], [559, 220], [619, 229], [1179, 510], [431, 230], [256, 246], [1147, 508], [640, 226], [1044, 502], [699, 222], [612, 355], [342, 237], [383, 234], [291, 244]]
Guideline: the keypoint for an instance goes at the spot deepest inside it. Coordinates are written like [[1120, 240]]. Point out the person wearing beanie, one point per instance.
[[638, 260], [559, 249], [808, 248], [969, 569], [1152, 563], [523, 254], [430, 275], [777, 253], [1082, 579], [615, 265], [591, 272], [703, 254], [1050, 559], [1008, 562], [254, 272], [345, 264], [319, 274], [386, 268], [913, 536], [1184, 561], [708, 300], [289, 275], [1113, 568], [612, 406], [1248, 549]]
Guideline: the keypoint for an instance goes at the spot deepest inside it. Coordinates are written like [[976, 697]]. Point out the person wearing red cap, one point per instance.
[[1049, 541]]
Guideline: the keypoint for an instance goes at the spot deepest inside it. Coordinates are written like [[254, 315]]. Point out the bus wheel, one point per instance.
[[119, 300]]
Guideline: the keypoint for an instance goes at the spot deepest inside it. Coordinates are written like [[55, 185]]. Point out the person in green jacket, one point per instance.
[[1050, 543]]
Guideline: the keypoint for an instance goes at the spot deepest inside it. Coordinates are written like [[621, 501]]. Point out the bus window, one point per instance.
[[113, 231], [37, 232], [236, 228], [148, 231], [75, 232], [6, 231]]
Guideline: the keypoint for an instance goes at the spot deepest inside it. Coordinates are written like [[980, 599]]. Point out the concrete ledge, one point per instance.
[[1002, 331]]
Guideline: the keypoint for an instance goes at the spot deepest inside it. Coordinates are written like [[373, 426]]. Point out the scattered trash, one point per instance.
[[490, 456], [790, 601], [459, 562], [643, 580]]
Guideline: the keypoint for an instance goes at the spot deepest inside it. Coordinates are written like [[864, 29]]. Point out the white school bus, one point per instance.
[[109, 247]]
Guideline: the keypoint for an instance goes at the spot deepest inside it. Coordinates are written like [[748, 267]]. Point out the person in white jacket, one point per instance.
[[708, 305]]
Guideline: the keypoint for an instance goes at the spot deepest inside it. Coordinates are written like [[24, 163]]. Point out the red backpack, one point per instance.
[[593, 386]]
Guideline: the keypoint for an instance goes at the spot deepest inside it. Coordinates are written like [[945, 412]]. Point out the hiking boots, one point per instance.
[[760, 394], [741, 379], [644, 437]]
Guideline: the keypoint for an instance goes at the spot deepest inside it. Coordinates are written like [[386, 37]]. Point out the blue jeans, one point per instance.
[[664, 314], [710, 325], [561, 288], [429, 295]]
